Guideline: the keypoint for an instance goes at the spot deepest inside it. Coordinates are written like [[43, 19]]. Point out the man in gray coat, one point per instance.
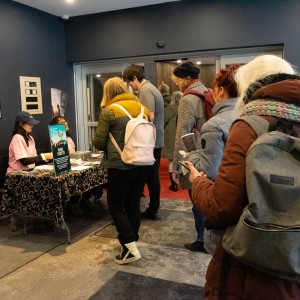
[[151, 98], [191, 117]]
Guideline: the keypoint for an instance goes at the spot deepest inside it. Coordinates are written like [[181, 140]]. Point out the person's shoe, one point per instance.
[[150, 216], [129, 253], [197, 246], [173, 187]]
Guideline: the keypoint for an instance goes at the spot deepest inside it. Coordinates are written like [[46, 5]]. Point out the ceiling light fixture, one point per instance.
[[198, 63], [178, 61], [70, 1]]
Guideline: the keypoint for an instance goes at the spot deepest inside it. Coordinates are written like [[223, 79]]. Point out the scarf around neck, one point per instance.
[[276, 95]]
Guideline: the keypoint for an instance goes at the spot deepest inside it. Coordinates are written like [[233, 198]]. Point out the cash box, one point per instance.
[[83, 155]]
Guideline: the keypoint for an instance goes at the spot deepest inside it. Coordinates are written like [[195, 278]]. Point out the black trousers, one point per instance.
[[124, 191], [153, 183]]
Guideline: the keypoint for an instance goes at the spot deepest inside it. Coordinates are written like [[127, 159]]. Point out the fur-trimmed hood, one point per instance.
[[280, 87]]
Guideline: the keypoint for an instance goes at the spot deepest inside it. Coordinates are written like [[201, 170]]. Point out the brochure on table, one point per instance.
[[59, 147]]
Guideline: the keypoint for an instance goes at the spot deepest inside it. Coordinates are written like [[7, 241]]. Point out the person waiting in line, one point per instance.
[[191, 117], [213, 137], [22, 151], [268, 87], [165, 91], [61, 120], [125, 183], [151, 98], [170, 121]]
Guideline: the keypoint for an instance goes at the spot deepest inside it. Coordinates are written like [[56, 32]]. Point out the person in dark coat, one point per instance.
[[267, 87], [125, 182], [170, 118]]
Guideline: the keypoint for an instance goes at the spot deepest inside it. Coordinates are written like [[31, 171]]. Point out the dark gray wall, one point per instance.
[[32, 43], [188, 25]]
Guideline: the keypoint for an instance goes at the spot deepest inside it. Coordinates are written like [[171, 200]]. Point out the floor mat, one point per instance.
[[165, 182], [123, 286], [174, 229]]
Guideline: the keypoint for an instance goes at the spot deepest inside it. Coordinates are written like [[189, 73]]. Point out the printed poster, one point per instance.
[[59, 147], [58, 101]]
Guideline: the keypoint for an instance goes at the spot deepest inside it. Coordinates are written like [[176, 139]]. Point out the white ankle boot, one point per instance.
[[129, 253]]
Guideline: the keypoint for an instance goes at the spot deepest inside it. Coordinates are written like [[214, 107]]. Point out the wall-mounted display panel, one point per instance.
[[31, 94]]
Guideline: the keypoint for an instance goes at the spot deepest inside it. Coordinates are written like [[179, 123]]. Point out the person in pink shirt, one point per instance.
[[22, 151], [62, 120]]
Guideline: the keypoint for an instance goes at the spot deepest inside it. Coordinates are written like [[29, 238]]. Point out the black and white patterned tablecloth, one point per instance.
[[41, 194]]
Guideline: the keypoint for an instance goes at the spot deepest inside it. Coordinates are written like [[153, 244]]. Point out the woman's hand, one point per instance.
[[175, 177], [48, 156], [193, 172]]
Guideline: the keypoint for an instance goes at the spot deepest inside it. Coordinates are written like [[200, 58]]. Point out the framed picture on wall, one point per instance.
[[31, 94]]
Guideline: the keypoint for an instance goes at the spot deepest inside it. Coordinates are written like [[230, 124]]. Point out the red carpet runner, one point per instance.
[[165, 183]]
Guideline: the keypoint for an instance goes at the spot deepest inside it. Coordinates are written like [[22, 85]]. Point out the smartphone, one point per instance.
[[184, 165]]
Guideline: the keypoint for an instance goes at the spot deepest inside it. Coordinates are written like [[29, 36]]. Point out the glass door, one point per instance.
[[89, 82]]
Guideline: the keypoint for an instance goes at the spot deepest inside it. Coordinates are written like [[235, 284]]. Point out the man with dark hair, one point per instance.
[[151, 98]]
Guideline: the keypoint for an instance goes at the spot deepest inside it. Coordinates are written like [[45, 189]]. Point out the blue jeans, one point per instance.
[[199, 222]]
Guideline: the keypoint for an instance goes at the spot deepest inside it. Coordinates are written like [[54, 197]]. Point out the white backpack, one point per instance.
[[139, 140]]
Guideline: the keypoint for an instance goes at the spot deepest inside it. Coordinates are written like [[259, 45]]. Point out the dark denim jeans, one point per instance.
[[124, 191], [199, 221], [153, 184]]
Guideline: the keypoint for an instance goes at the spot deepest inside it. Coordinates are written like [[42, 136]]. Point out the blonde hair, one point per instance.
[[112, 88], [258, 68], [182, 83]]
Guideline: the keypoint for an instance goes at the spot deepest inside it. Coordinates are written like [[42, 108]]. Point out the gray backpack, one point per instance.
[[267, 236]]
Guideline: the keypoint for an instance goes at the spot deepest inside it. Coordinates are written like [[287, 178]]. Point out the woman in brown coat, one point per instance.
[[269, 88]]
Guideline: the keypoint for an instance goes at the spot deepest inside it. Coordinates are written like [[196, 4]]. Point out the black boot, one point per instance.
[[173, 187]]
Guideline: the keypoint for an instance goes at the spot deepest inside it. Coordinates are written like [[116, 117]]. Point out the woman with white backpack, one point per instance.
[[125, 182]]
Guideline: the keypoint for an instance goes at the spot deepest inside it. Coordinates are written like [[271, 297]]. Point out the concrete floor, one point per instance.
[[78, 270]]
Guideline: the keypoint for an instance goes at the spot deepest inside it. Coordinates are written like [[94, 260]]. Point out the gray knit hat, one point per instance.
[[164, 88]]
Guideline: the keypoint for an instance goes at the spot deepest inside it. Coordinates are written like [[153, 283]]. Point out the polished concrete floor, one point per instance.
[[44, 266]]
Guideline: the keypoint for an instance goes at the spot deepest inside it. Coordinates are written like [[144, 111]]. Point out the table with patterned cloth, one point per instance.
[[42, 195]]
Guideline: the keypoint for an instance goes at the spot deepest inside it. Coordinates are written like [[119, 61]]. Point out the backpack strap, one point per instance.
[[209, 101], [126, 112], [115, 143], [258, 123], [123, 109]]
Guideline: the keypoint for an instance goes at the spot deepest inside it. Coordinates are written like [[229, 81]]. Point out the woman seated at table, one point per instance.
[[61, 120], [22, 151]]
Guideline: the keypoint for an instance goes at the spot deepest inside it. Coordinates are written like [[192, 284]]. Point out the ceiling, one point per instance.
[[72, 8]]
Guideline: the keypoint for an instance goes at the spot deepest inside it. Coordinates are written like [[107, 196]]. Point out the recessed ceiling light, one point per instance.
[[178, 61], [198, 62], [70, 1], [98, 75]]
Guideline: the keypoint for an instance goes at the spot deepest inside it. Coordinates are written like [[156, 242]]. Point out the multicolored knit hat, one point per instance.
[[276, 95]]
